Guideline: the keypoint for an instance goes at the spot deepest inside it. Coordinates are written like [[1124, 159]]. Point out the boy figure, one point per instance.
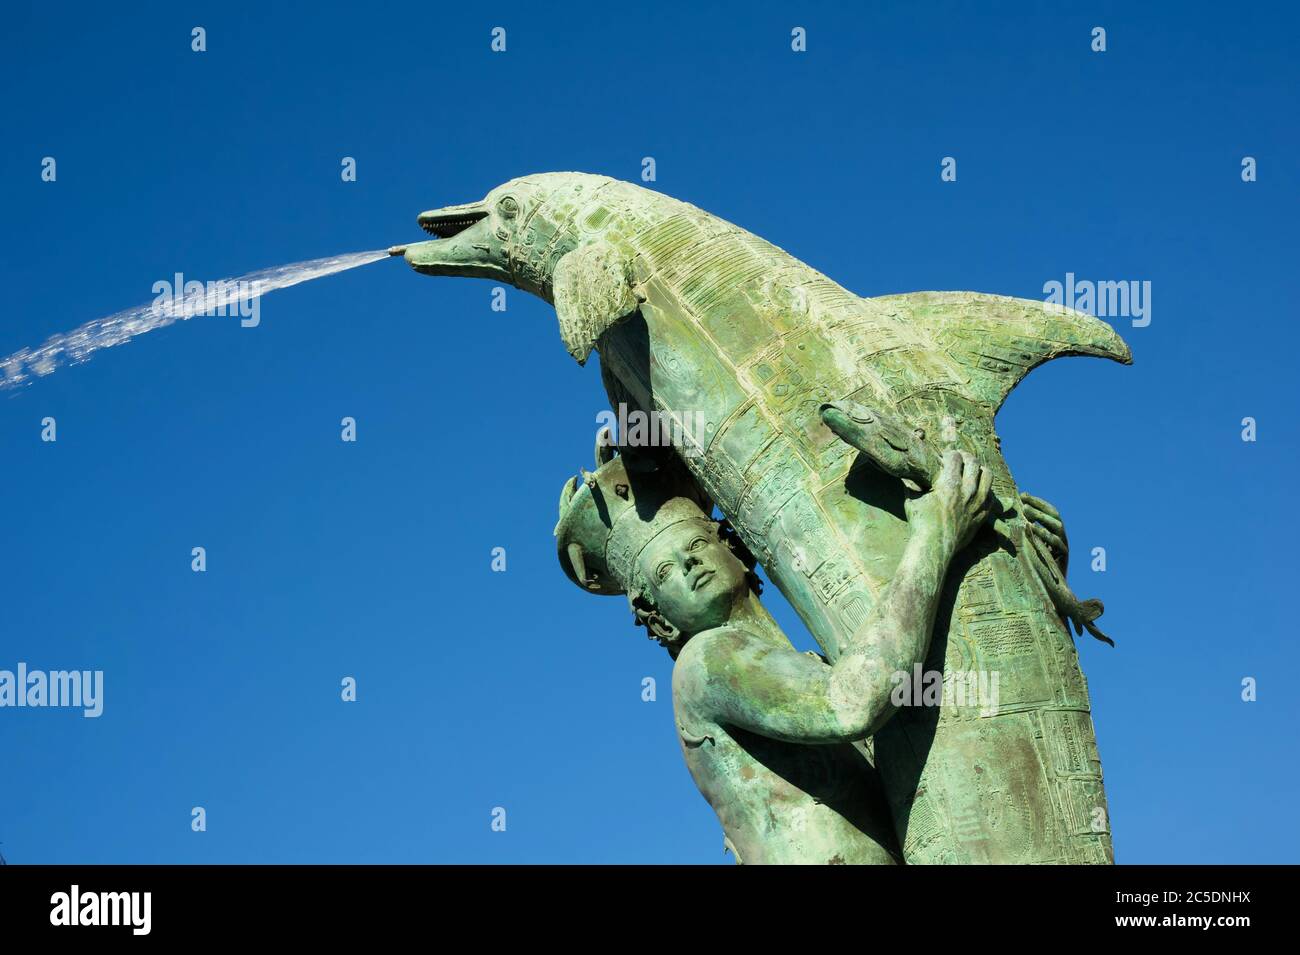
[[767, 732]]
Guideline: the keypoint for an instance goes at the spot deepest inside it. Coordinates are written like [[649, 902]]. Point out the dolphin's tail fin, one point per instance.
[[999, 339]]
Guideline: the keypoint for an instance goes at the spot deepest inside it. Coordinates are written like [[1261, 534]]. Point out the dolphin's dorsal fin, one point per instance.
[[592, 290], [998, 340]]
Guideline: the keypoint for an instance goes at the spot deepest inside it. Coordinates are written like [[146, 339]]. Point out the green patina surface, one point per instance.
[[803, 406]]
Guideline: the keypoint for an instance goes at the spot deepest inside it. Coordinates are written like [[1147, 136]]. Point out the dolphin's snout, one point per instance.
[[463, 244]]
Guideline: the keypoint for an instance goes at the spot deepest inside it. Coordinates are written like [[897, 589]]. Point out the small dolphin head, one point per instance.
[[515, 234]]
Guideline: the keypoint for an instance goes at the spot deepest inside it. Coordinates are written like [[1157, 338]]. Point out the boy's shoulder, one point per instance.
[[710, 644], [702, 661], [710, 654]]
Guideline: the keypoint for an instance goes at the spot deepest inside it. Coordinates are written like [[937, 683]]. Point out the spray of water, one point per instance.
[[222, 297]]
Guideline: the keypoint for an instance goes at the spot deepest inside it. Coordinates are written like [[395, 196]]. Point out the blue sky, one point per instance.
[[372, 560]]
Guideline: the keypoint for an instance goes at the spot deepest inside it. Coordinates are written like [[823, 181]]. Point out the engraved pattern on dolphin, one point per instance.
[[692, 313]]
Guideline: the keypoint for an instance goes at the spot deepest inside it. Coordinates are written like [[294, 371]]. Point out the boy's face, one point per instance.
[[693, 577]]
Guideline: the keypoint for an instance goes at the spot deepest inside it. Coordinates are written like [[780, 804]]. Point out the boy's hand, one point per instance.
[[958, 504], [1044, 522]]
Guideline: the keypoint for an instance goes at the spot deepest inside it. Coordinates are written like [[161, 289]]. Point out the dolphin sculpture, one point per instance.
[[689, 312]]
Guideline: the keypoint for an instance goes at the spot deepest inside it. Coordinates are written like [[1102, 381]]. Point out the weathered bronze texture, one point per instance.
[[697, 318]]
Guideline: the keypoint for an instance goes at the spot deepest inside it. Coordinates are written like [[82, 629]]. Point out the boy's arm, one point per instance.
[[733, 678]]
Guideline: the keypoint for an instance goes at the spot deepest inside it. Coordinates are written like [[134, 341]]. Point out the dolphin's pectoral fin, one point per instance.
[[592, 292], [998, 340]]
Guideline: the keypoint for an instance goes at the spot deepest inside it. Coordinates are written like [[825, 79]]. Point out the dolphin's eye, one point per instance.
[[508, 207]]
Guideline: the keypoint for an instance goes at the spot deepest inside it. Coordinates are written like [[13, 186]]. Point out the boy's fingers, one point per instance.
[[1047, 537], [985, 485], [952, 467], [1039, 503], [970, 476], [1053, 524]]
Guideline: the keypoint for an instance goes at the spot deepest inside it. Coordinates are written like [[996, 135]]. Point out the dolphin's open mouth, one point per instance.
[[463, 243], [444, 223]]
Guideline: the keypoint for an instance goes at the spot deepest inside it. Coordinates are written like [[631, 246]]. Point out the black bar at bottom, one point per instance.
[[334, 903]]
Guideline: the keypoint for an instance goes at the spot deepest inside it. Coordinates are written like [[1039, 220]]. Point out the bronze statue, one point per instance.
[[693, 314], [765, 729]]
